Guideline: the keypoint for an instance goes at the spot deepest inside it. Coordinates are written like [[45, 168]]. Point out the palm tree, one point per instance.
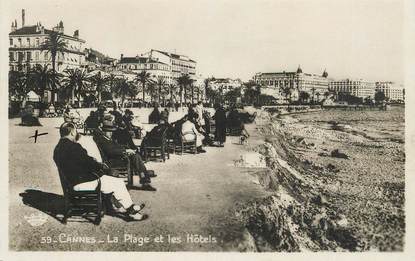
[[123, 89], [100, 83], [54, 44], [76, 82], [161, 83], [318, 96], [143, 77], [172, 89], [43, 79], [183, 81]]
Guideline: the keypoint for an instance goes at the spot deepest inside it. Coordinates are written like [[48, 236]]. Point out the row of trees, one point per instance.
[[80, 85]]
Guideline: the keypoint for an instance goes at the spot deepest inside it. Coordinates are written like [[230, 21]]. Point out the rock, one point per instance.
[[323, 154], [332, 168], [320, 200], [337, 154]]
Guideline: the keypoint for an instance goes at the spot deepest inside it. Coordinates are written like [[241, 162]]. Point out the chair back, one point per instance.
[[66, 187]]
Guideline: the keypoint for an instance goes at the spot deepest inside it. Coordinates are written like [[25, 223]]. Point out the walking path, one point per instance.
[[196, 195]]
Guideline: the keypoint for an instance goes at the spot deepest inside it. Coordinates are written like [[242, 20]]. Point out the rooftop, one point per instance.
[[35, 29], [138, 59]]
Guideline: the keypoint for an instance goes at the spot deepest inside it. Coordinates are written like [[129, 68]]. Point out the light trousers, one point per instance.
[[109, 185]]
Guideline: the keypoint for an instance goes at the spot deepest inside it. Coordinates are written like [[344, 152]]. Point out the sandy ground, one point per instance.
[[326, 202], [196, 195]]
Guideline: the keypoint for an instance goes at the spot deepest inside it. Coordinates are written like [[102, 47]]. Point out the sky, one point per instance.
[[231, 38]]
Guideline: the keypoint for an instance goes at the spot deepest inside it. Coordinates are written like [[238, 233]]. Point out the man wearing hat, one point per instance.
[[114, 150], [79, 168], [128, 120]]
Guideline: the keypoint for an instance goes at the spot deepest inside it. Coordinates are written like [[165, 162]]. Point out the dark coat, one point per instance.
[[123, 137], [75, 163], [154, 116], [220, 125], [92, 121], [111, 149]]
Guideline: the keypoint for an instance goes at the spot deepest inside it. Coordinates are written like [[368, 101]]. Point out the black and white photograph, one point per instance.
[[206, 126]]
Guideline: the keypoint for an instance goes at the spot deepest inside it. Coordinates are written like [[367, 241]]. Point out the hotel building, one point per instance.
[[25, 47], [298, 81], [392, 91], [356, 87], [159, 63]]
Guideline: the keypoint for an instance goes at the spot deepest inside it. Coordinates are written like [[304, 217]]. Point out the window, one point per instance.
[[37, 41], [11, 56], [20, 41], [11, 41], [36, 56], [46, 55], [28, 41], [20, 56], [28, 56]]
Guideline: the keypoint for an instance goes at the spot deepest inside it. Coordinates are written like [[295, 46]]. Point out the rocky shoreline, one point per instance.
[[335, 189]]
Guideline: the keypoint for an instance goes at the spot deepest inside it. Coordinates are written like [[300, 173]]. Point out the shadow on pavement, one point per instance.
[[49, 203]]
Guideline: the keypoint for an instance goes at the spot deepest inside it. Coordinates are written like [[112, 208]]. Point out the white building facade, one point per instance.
[[167, 65], [297, 81], [392, 91], [356, 87], [25, 48]]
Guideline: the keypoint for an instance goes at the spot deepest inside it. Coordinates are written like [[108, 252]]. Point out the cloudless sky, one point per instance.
[[350, 38]]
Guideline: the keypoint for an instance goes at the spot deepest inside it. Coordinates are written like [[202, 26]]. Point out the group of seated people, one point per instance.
[[113, 133]]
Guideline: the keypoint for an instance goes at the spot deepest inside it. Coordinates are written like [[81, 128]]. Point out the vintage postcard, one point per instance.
[[259, 127]]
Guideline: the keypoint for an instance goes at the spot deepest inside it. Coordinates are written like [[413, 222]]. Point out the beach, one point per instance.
[[339, 179]]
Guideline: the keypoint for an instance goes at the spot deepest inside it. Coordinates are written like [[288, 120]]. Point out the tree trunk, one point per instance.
[[193, 91], [159, 94], [144, 92], [52, 100]]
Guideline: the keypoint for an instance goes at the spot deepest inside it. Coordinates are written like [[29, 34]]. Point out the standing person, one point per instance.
[[154, 116], [79, 168], [220, 124], [199, 111]]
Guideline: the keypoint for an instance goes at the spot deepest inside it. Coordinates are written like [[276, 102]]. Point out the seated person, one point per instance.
[[115, 112], [190, 132], [79, 169], [128, 120], [92, 120], [28, 119], [153, 138], [113, 150], [123, 137]]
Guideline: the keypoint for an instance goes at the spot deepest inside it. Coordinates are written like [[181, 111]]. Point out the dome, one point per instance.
[[325, 74], [299, 69]]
